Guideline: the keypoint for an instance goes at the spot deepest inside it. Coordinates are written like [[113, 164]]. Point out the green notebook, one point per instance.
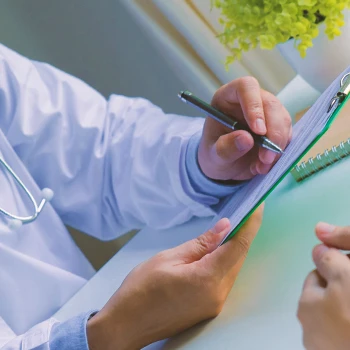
[[312, 126]]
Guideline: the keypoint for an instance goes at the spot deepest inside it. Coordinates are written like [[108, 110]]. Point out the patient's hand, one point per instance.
[[324, 307]]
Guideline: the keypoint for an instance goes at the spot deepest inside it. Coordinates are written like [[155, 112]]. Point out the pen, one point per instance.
[[222, 118]]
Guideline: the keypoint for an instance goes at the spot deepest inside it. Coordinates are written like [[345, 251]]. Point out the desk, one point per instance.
[[260, 311]]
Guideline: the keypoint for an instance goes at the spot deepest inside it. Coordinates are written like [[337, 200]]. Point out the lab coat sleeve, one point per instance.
[[54, 335], [113, 164], [199, 183], [37, 338]]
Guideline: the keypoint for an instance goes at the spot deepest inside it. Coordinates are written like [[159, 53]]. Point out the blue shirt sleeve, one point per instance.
[[200, 183], [71, 335]]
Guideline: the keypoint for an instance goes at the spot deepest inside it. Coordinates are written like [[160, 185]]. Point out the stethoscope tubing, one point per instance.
[[37, 209]]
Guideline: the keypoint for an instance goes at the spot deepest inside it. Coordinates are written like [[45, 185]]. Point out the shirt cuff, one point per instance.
[[199, 182], [71, 335]]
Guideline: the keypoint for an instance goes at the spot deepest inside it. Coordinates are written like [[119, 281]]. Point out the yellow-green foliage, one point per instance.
[[266, 23]]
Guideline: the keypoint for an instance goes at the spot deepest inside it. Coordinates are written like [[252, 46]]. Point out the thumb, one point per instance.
[[225, 258], [334, 236], [206, 243]]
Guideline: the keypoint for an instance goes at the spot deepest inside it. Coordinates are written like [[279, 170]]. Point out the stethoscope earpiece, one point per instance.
[[47, 194]]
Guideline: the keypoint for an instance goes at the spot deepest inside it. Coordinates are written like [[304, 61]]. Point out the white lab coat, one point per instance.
[[113, 165]]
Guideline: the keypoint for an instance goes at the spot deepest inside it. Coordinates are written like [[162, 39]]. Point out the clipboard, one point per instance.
[[336, 104]]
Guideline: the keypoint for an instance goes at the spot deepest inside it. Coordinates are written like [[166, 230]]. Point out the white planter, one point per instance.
[[325, 60]]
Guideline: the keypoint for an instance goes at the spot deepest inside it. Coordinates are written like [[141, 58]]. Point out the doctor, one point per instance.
[[114, 165]]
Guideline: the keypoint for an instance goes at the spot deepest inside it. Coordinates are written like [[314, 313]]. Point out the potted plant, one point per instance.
[[313, 35]]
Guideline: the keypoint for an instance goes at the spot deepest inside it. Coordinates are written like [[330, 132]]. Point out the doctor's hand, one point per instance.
[[324, 307], [227, 155], [174, 290]]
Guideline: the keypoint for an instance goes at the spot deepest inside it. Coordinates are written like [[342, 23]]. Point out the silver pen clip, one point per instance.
[[342, 92]]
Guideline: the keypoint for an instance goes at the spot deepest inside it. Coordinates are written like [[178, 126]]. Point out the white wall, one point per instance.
[[97, 41]]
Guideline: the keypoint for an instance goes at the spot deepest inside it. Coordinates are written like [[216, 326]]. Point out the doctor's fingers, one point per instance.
[[278, 124], [230, 147], [228, 258], [332, 265], [334, 236], [197, 248], [242, 96]]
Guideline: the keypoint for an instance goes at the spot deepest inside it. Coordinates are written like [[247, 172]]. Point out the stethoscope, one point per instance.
[[16, 221]]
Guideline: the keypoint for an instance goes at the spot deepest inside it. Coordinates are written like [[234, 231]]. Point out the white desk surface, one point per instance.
[[260, 311]]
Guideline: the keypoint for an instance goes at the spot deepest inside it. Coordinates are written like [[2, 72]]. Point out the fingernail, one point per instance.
[[221, 225], [253, 169], [260, 126], [258, 169], [240, 143], [269, 157], [325, 228], [319, 251]]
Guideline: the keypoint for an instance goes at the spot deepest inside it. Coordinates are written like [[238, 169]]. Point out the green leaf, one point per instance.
[[248, 23]]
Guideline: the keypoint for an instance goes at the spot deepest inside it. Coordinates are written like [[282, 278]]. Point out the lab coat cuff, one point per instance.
[[200, 183], [71, 335]]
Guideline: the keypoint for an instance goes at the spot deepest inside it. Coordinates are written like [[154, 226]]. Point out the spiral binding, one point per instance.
[[321, 161]]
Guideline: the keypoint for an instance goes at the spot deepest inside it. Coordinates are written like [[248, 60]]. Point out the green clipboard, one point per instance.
[[341, 98]]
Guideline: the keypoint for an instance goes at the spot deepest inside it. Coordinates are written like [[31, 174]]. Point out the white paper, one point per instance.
[[237, 206]]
